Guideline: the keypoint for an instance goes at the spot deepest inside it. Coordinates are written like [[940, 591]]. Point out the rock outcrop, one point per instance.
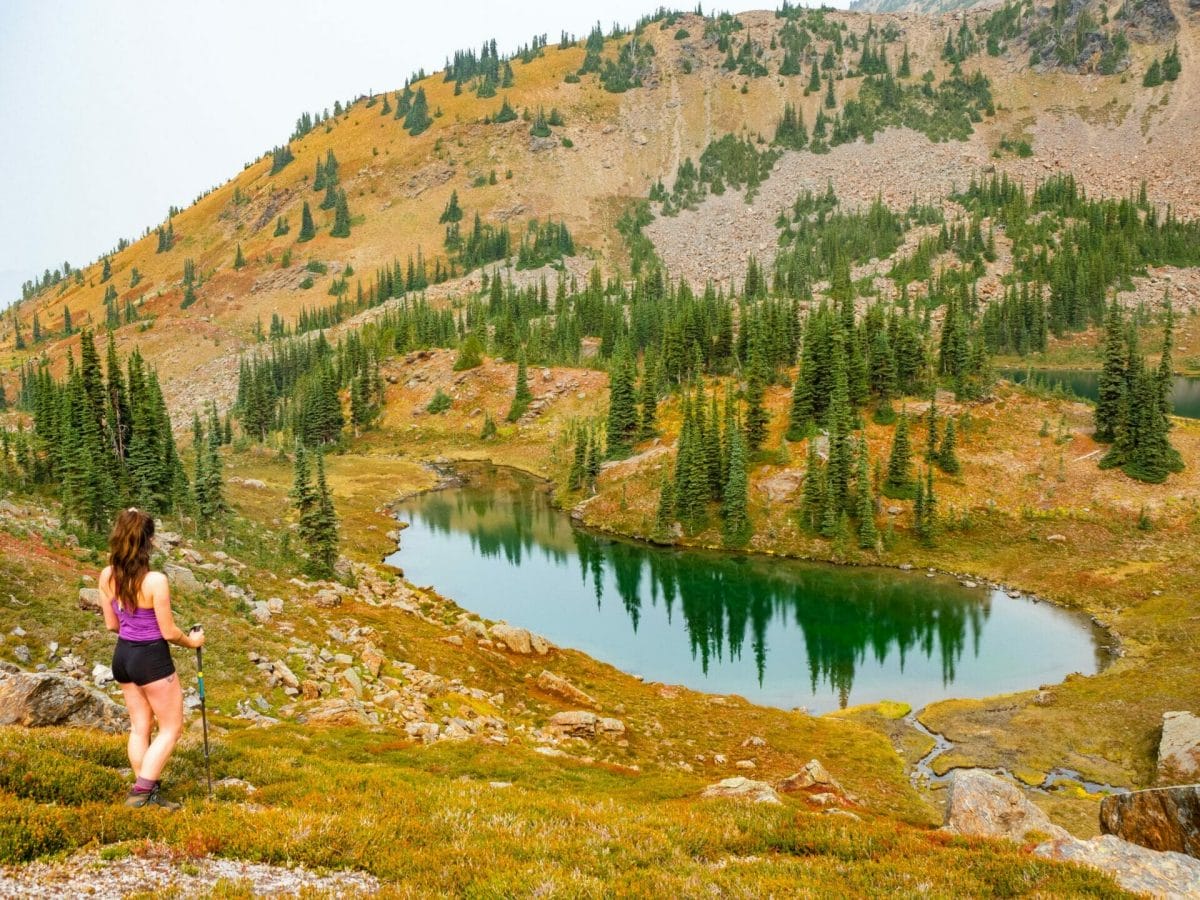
[[745, 789], [584, 724], [1179, 748], [1159, 818], [1134, 868], [36, 699], [984, 804]]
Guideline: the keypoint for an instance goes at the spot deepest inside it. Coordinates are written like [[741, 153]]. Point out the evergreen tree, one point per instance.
[[813, 501], [622, 405], [417, 121], [341, 217], [308, 230], [735, 520], [303, 497], [453, 212], [931, 428], [578, 471], [489, 429], [1153, 76], [1171, 66], [665, 514], [899, 483], [323, 528], [239, 260], [947, 459], [210, 497], [521, 393], [868, 534], [592, 467]]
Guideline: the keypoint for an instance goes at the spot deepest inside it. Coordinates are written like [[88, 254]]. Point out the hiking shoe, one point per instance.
[[150, 798]]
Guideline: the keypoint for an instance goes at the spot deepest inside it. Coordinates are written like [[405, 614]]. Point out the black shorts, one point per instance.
[[142, 662]]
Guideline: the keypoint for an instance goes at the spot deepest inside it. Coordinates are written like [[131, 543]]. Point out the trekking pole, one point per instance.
[[203, 712]]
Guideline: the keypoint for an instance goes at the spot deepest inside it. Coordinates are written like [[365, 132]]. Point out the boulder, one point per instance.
[[609, 727], [182, 579], [286, 675], [90, 598], [101, 674], [812, 775], [373, 660], [1135, 868], [745, 789], [350, 678], [1159, 818], [35, 699], [574, 723], [560, 687], [260, 613], [518, 640], [338, 712], [980, 803], [1179, 748], [327, 599], [473, 629]]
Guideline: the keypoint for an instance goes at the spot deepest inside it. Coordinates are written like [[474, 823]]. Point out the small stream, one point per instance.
[[923, 774]]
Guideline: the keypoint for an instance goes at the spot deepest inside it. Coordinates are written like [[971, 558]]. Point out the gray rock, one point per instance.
[[286, 675], [812, 775], [574, 723], [90, 598], [260, 612], [474, 629], [1134, 868], [983, 804], [1160, 818], [1179, 748], [744, 789], [101, 674], [38, 699], [182, 578], [518, 640], [350, 677]]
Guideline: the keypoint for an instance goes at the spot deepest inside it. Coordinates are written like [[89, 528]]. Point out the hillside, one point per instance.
[[702, 278], [1107, 131]]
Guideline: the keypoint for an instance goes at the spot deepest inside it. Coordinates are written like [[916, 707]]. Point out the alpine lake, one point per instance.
[[778, 632]]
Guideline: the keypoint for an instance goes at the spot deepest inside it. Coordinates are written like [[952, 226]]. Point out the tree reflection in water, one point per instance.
[[725, 600]]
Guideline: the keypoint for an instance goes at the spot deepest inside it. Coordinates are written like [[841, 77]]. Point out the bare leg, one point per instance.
[[140, 719], [166, 699]]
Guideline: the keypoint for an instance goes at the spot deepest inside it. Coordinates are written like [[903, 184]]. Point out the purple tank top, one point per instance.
[[139, 625]]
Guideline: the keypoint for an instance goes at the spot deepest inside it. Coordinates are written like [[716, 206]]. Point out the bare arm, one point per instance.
[[106, 598], [160, 592]]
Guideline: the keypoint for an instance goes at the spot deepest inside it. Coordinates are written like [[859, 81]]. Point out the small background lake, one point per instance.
[[778, 632], [1085, 383]]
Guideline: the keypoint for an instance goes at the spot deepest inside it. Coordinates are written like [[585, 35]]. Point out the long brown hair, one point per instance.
[[129, 554]]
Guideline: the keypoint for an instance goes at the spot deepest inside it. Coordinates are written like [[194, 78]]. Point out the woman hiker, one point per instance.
[[137, 605]]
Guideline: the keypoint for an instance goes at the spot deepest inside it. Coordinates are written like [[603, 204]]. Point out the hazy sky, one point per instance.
[[114, 111]]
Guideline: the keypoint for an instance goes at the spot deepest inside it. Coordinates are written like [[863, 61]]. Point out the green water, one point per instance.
[[1085, 384], [777, 632]]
